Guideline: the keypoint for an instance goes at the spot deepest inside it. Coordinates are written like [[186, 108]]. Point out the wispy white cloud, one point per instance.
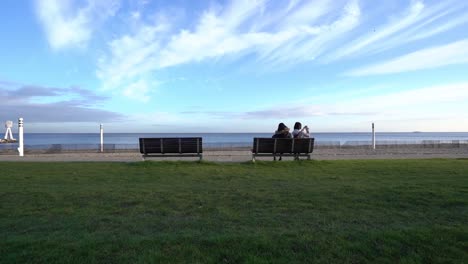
[[418, 100], [443, 27], [295, 112], [137, 90], [306, 13], [67, 24], [230, 31], [131, 57], [409, 18], [278, 35], [426, 99], [418, 21], [311, 42], [449, 54]]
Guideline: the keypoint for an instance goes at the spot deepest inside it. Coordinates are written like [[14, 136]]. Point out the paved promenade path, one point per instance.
[[245, 155]]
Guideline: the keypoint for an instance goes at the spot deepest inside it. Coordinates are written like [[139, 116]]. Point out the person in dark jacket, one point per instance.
[[282, 132]]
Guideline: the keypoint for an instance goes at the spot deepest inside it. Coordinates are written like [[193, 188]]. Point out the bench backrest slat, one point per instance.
[[283, 145], [180, 146], [304, 145], [262, 145]]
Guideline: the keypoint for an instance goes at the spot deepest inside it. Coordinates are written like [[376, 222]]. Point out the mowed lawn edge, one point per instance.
[[357, 211]]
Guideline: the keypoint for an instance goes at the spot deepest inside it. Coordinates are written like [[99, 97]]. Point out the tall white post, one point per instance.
[[102, 139], [20, 136], [373, 136]]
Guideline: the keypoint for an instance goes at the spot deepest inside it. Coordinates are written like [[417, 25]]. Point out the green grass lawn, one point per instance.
[[385, 211]]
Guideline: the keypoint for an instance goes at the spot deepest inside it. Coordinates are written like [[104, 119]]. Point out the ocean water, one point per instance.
[[32, 139]]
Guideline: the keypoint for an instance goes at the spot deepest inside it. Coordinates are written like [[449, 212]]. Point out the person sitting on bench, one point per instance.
[[282, 132], [300, 132]]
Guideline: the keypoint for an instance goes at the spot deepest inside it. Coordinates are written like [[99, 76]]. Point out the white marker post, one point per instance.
[[20, 136], [102, 139], [373, 137]]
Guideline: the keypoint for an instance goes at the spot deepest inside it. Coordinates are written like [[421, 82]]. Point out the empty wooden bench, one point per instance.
[[277, 147], [171, 147]]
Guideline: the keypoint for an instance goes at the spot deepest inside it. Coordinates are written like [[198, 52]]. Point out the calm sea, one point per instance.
[[234, 138]]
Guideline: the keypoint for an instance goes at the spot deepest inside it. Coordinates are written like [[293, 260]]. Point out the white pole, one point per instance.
[[102, 139], [373, 136], [20, 135]]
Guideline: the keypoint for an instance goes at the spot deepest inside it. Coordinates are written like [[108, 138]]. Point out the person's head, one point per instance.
[[282, 126], [297, 125]]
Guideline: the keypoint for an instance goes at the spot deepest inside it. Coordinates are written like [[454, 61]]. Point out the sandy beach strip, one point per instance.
[[243, 155]]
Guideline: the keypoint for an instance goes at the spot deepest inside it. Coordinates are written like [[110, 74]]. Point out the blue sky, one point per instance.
[[234, 66]]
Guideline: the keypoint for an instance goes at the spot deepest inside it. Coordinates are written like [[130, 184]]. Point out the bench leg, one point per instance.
[[308, 157], [274, 157]]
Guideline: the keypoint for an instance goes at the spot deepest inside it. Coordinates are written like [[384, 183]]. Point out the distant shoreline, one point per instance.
[[245, 139]]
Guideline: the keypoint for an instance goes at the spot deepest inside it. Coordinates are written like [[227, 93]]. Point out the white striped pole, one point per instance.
[[373, 137], [20, 137], [102, 138]]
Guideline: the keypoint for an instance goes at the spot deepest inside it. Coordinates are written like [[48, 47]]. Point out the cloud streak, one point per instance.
[[449, 54], [232, 31], [68, 25], [276, 35], [72, 104], [272, 34], [412, 15], [418, 21], [398, 105]]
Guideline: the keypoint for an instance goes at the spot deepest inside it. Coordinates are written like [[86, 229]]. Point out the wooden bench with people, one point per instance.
[[282, 147], [283, 143], [171, 147]]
